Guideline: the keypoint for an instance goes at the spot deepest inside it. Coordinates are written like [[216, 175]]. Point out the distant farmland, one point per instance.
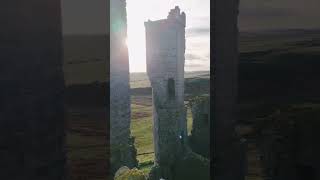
[[85, 59]]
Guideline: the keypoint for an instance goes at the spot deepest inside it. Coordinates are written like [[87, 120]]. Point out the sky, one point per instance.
[[91, 17], [197, 30], [258, 15], [85, 16]]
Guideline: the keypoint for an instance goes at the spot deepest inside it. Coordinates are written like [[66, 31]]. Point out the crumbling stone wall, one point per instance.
[[165, 42], [32, 132], [123, 152], [200, 134]]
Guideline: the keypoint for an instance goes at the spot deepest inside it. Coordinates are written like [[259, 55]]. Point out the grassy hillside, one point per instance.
[[85, 58], [85, 68], [279, 67], [278, 87]]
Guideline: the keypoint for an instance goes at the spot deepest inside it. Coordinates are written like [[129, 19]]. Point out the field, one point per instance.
[[87, 117], [278, 85], [85, 59], [141, 109], [278, 77], [85, 71], [87, 125], [86, 140]]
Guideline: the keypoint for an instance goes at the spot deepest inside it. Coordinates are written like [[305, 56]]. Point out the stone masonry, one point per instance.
[[121, 143], [165, 47], [200, 133], [32, 129]]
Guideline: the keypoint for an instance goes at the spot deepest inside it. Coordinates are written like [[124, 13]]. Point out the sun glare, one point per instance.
[[136, 38], [158, 9], [126, 42]]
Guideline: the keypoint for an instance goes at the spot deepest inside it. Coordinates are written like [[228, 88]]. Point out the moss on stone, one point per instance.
[[125, 173], [123, 155]]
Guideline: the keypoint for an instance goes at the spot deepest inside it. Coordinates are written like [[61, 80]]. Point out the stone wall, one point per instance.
[[32, 131], [200, 133], [122, 149]]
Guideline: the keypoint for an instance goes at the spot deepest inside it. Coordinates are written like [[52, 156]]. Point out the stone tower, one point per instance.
[[165, 47], [121, 143], [32, 131]]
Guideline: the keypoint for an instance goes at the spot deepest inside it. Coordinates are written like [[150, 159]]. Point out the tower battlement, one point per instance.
[[175, 16]]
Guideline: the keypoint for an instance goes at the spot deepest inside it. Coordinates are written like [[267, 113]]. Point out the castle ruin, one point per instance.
[[123, 152], [200, 133], [165, 48]]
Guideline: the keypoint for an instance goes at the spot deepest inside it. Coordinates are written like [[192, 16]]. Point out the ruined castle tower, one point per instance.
[[32, 129], [165, 47], [122, 150]]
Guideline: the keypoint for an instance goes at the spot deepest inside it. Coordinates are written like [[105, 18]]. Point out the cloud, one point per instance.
[[194, 66], [198, 31], [196, 57], [192, 57], [279, 14], [197, 66]]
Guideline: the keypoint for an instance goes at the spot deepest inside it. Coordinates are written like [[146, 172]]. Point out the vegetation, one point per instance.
[[130, 174]]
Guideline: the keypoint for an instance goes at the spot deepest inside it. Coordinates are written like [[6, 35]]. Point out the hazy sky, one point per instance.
[[85, 16], [91, 16], [197, 30], [279, 14]]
